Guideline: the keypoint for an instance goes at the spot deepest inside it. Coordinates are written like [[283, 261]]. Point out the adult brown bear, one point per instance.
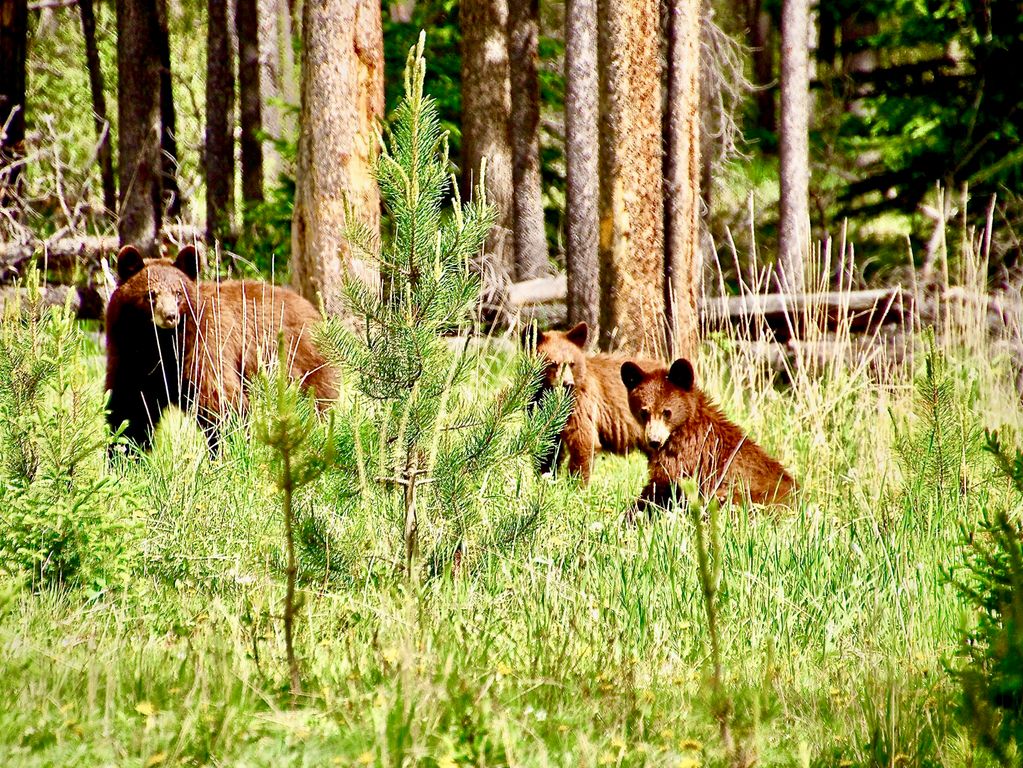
[[174, 341], [687, 436], [600, 419]]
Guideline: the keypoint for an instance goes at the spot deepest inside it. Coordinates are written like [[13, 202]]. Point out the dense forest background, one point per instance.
[[911, 104]]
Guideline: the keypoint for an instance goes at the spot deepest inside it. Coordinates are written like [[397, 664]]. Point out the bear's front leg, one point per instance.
[[141, 411], [583, 442]]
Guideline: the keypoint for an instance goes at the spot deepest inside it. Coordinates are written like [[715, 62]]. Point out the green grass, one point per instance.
[[586, 646]]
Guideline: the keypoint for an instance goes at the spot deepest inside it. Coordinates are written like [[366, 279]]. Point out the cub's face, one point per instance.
[[565, 355], [660, 400], [161, 288]]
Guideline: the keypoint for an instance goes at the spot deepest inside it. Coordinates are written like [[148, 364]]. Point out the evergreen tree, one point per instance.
[[434, 448]]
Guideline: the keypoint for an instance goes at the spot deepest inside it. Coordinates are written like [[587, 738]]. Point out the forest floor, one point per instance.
[[585, 645]]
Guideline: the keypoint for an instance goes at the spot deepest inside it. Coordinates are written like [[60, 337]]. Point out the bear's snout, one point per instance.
[[656, 433], [166, 313]]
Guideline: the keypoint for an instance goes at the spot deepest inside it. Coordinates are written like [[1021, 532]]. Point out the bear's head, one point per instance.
[[660, 400], [564, 353], [161, 289]]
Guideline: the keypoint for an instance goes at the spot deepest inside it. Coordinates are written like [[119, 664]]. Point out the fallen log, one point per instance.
[[86, 302]]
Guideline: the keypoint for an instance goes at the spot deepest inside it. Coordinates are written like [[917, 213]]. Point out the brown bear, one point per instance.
[[688, 437], [600, 419], [174, 341]]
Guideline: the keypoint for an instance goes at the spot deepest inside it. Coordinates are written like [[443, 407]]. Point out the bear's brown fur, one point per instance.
[[600, 419], [688, 437], [174, 341]]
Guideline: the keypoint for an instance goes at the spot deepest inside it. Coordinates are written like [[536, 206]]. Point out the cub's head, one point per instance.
[[159, 289], [660, 399], [564, 353]]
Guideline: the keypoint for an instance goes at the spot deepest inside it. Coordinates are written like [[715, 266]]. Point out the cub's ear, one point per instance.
[[681, 374], [531, 336], [578, 335], [632, 374], [129, 263], [188, 261]]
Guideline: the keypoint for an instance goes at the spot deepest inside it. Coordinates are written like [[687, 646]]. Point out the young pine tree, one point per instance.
[[447, 456]]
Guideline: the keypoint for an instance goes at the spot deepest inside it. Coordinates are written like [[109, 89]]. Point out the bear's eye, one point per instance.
[[152, 296], [667, 414], [644, 414]]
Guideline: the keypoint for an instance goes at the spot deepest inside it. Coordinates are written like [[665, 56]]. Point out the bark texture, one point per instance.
[[794, 149], [760, 27], [171, 198], [682, 168], [524, 127], [582, 148], [219, 149], [249, 101], [342, 102], [631, 202], [99, 106], [277, 80], [13, 53], [486, 106], [139, 124]]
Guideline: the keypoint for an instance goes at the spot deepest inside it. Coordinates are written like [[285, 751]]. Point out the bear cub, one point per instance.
[[172, 340], [600, 419], [687, 436]]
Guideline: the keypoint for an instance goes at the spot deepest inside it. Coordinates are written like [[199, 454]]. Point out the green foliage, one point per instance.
[[444, 455], [940, 452], [62, 523], [991, 674]]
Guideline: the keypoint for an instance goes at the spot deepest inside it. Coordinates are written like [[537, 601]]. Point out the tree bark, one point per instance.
[[219, 149], [99, 106], [794, 224], [631, 201], [524, 127], [759, 26], [682, 170], [171, 195], [13, 55], [582, 149], [139, 124], [486, 106], [249, 101], [277, 82], [342, 103]]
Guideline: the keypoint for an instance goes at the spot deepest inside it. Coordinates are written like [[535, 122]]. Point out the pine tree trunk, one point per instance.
[[171, 198], [759, 25], [794, 224], [631, 201], [682, 170], [139, 124], [13, 54], [219, 149], [582, 148], [486, 106], [342, 104], [249, 101], [277, 81], [524, 126], [99, 106]]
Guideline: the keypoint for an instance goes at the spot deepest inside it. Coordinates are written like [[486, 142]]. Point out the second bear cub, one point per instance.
[[600, 418], [688, 437]]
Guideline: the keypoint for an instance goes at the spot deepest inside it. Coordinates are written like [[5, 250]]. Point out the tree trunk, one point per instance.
[[758, 23], [171, 197], [631, 199], [13, 55], [276, 82], [99, 107], [524, 127], [342, 103], [582, 148], [219, 149], [682, 170], [139, 124], [486, 106], [794, 224], [249, 101]]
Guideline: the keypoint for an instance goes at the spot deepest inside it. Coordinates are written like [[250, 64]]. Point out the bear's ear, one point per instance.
[[578, 335], [632, 374], [129, 263], [188, 261], [531, 336], [681, 374]]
